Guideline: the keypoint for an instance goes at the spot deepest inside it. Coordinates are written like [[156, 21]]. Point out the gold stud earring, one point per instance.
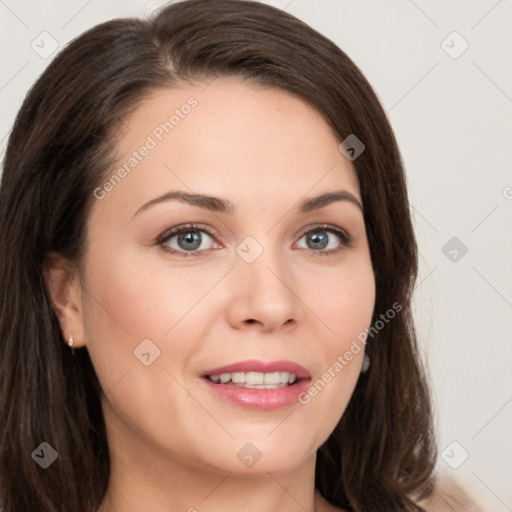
[[71, 342]]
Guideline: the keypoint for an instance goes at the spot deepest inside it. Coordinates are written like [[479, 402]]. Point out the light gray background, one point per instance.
[[452, 117]]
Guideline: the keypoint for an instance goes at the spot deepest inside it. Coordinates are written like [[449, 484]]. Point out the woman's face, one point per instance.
[[258, 280]]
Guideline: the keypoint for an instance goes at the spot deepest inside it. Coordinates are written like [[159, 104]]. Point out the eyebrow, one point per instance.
[[216, 204]]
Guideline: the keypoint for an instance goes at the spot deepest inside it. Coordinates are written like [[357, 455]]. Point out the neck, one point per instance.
[[133, 488]]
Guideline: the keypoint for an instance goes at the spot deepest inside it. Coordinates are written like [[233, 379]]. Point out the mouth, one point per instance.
[[255, 380], [254, 384], [256, 374]]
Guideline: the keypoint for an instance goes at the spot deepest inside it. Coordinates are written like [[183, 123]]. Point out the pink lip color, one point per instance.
[[263, 399]]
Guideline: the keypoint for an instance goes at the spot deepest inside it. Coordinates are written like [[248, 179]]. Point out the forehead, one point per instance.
[[228, 138]]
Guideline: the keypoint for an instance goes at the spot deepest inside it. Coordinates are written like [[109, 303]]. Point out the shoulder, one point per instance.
[[450, 496]]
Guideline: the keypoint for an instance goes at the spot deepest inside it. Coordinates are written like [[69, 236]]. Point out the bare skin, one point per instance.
[[173, 442]]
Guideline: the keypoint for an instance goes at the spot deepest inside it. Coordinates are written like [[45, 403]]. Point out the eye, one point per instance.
[[187, 240], [326, 239], [193, 239]]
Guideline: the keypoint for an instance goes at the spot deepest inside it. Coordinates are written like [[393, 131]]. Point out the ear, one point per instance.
[[65, 293]]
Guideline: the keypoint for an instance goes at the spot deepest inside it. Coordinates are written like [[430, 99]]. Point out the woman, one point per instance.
[[207, 263]]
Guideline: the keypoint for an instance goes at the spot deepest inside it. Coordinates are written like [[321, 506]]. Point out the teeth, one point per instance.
[[224, 377], [238, 377], [255, 379]]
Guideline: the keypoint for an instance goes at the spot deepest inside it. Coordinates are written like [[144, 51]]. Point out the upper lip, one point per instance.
[[254, 365]]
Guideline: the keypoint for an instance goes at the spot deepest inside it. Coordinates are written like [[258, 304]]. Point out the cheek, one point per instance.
[[355, 298], [128, 301], [123, 307], [132, 298], [127, 304], [345, 302], [346, 308]]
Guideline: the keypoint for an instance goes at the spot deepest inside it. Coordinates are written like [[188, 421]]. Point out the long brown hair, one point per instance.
[[381, 454]]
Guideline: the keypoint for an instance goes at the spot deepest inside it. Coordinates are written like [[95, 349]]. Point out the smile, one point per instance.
[[255, 380]]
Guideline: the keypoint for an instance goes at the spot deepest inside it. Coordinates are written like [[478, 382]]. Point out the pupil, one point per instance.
[[190, 237], [318, 241]]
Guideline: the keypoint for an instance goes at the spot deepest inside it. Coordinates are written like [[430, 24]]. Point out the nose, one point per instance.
[[263, 294]]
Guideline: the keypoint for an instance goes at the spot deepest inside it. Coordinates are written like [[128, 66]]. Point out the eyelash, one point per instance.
[[166, 236]]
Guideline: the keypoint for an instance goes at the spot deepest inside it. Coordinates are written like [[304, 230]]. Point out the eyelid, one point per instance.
[[187, 226], [176, 230], [327, 227], [342, 234], [346, 239]]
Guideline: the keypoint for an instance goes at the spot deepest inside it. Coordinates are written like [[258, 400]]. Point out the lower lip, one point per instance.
[[264, 399]]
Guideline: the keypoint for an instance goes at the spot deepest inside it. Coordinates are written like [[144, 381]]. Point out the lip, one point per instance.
[[254, 365], [263, 399], [254, 398]]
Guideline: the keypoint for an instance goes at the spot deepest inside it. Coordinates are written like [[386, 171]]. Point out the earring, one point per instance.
[[71, 342], [366, 363]]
